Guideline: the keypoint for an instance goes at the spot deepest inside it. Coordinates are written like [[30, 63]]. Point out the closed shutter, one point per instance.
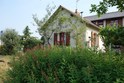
[[92, 39], [55, 38], [67, 39], [95, 39]]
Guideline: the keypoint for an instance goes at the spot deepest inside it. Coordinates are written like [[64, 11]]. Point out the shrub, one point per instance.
[[66, 65], [27, 41], [30, 43], [3, 50], [112, 35], [10, 39]]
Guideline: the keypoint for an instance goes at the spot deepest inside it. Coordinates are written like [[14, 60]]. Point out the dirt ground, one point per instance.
[[4, 66]]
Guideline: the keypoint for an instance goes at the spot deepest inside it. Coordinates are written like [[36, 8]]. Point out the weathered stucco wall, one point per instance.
[[88, 36]]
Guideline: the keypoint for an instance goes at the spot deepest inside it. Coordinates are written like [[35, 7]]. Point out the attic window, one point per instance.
[[71, 15], [62, 8]]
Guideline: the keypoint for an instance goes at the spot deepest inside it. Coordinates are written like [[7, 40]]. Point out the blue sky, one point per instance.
[[17, 14]]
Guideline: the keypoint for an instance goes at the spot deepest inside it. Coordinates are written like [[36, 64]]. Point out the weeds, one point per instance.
[[65, 65]]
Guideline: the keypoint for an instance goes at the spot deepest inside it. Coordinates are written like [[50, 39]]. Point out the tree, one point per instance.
[[28, 41], [10, 38], [43, 30], [103, 6], [26, 32], [112, 36]]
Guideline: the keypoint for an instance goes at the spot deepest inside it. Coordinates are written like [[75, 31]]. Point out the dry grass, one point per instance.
[[4, 66]]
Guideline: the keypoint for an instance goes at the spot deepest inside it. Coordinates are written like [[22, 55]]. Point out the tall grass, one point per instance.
[[66, 65]]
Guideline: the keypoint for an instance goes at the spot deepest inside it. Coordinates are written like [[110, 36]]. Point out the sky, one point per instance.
[[17, 14]]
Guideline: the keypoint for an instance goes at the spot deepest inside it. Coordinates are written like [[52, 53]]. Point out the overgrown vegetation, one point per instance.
[[66, 65], [112, 35], [43, 28], [28, 41], [10, 39], [4, 66], [13, 43], [103, 6]]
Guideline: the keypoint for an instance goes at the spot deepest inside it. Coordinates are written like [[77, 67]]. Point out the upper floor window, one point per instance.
[[100, 23], [114, 23], [94, 22]]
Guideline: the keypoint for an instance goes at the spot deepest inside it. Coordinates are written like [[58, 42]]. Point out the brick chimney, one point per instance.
[[76, 11]]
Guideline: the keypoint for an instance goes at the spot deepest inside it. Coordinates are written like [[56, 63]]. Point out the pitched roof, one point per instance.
[[106, 16], [83, 19], [76, 15]]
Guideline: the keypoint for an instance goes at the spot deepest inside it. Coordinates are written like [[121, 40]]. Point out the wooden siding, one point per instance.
[[120, 22], [108, 21]]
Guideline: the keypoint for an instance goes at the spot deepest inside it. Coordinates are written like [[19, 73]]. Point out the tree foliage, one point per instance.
[[65, 65], [112, 35], [43, 30], [26, 32], [10, 38], [103, 6], [28, 41]]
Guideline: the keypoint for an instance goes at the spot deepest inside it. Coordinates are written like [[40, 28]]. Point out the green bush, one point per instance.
[[3, 50], [112, 35], [66, 65], [30, 43], [10, 39]]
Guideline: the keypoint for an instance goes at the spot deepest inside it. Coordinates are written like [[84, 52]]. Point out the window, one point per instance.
[[94, 22], [94, 39], [100, 23], [62, 38], [71, 15], [114, 23]]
